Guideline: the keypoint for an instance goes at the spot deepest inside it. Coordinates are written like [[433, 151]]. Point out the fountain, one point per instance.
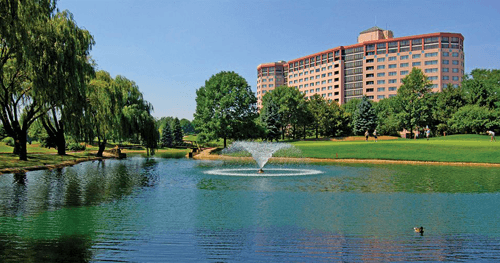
[[261, 152]]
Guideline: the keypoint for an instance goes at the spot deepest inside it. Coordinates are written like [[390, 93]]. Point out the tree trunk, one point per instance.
[[23, 152], [304, 131], [61, 143], [224, 142], [102, 146]]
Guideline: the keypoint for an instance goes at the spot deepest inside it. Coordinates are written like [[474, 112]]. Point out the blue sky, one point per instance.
[[171, 47]]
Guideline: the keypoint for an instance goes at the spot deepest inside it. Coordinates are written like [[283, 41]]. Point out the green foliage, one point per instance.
[[166, 137], [9, 141], [76, 146], [474, 119], [177, 133], [387, 123], [225, 108], [292, 109], [411, 105], [187, 126], [365, 118], [271, 120]]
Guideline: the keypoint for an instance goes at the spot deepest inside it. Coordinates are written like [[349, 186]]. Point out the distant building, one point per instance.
[[373, 67]]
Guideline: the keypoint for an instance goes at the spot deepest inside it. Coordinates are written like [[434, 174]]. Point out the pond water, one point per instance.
[[158, 210]]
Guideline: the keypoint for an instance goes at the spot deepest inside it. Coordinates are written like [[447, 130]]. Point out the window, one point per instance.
[[392, 95], [380, 59], [329, 94], [330, 81], [381, 67], [446, 54], [369, 60], [369, 90], [455, 54], [271, 85], [415, 56], [392, 80], [403, 65], [317, 90], [380, 97], [265, 86], [392, 58], [433, 54], [380, 89], [380, 82], [317, 76], [403, 57], [329, 87], [431, 62], [431, 70], [369, 83], [306, 79], [432, 78], [454, 70], [329, 74], [446, 62], [393, 73], [392, 88], [455, 78], [446, 70], [392, 66], [323, 69], [329, 67], [381, 74], [323, 82], [416, 64], [322, 89], [455, 62], [323, 75], [264, 80], [403, 72], [446, 77], [305, 73]]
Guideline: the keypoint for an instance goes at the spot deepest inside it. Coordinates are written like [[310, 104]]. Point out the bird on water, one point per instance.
[[419, 230]]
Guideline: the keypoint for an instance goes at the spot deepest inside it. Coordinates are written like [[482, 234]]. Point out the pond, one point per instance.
[[157, 210]]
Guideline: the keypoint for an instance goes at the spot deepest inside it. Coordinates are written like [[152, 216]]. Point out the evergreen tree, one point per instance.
[[364, 117], [271, 119], [177, 132], [166, 136]]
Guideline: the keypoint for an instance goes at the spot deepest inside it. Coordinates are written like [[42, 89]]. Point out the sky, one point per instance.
[[169, 48]]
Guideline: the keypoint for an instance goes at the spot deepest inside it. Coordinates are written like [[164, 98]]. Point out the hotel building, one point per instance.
[[373, 67]]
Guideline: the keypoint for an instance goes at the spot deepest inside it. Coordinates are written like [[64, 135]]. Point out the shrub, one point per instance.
[[76, 146], [8, 141]]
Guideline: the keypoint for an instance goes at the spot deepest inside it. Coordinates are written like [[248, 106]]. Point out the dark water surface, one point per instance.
[[164, 210]]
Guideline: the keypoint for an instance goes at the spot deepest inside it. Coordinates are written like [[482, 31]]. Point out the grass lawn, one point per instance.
[[454, 148]]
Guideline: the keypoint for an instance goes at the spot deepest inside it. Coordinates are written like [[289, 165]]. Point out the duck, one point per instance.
[[419, 229]]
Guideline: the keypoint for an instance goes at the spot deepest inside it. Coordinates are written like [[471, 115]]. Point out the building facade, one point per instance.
[[374, 67]]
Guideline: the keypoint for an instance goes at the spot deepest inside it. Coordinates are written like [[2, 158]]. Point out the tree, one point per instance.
[[444, 105], [177, 132], [410, 100], [166, 136], [350, 108], [225, 108], [317, 106], [271, 120], [386, 117], [187, 126], [292, 107], [22, 28], [334, 120], [65, 69], [116, 110], [364, 117], [473, 119]]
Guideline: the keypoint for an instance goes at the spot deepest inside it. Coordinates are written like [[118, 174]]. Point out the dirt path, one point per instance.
[[205, 155]]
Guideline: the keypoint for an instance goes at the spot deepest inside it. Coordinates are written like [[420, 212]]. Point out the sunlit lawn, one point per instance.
[[455, 148]]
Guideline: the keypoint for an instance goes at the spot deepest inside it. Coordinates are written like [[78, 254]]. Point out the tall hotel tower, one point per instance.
[[373, 67]]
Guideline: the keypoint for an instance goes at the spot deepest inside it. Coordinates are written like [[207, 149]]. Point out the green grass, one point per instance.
[[455, 148]]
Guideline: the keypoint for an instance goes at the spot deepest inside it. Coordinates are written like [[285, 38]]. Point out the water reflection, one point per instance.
[[147, 210]]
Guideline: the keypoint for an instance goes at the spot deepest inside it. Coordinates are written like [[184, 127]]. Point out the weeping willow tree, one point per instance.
[[116, 110], [23, 97]]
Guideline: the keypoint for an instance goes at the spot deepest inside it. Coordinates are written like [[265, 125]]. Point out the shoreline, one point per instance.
[[205, 155]]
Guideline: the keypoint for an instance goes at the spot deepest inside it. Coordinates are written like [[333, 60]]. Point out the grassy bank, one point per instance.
[[455, 148], [40, 156]]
